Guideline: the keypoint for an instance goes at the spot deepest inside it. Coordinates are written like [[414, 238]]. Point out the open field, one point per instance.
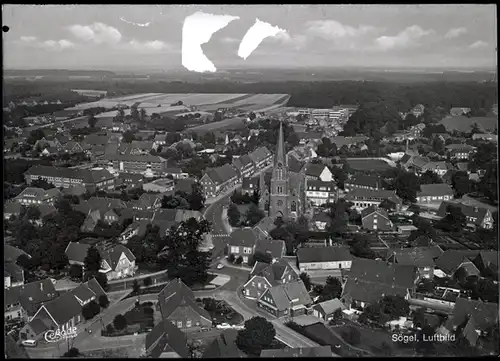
[[368, 164], [464, 124], [206, 101], [233, 123]]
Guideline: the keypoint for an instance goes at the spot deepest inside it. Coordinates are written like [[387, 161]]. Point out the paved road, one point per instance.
[[220, 236]]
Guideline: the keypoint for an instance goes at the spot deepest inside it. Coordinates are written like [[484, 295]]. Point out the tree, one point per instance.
[[339, 215], [331, 290], [196, 199], [128, 136], [134, 113], [239, 260], [92, 120], [429, 177], [437, 145], [353, 336], [394, 306], [72, 352], [253, 215], [92, 262], [231, 258], [147, 281], [306, 280], [407, 185], [233, 215], [120, 322], [488, 184], [90, 310], [460, 183], [419, 317], [142, 115], [360, 247], [75, 271], [338, 315], [102, 280], [103, 301], [454, 221], [257, 335], [136, 287]]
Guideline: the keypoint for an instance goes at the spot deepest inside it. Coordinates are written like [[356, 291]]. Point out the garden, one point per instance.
[[140, 319], [220, 311]]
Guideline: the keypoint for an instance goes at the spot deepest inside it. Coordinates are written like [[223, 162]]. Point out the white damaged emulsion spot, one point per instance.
[[255, 35], [197, 30]]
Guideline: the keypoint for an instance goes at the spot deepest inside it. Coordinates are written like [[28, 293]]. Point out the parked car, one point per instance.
[[220, 266], [29, 343], [224, 326]]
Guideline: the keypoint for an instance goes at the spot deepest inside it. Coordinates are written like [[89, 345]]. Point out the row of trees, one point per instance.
[[252, 216], [181, 200]]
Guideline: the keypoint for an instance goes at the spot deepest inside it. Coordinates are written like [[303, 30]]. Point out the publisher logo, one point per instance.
[[58, 335]]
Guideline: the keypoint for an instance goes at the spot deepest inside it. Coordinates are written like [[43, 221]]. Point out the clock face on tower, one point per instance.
[[280, 203], [280, 165]]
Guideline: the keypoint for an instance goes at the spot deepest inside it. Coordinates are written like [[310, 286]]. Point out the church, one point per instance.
[[285, 195]]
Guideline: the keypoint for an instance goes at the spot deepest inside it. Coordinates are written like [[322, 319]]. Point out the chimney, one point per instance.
[[41, 286], [476, 209]]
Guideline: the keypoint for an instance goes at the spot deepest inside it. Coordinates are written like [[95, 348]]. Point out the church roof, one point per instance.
[[280, 147]]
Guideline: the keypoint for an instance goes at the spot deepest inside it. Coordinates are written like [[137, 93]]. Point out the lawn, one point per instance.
[[108, 353], [375, 165], [140, 319], [464, 124]]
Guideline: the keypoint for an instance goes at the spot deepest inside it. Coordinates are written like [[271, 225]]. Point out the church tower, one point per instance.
[[278, 199]]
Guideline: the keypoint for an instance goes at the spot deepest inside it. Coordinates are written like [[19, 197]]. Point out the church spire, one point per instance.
[[280, 148]]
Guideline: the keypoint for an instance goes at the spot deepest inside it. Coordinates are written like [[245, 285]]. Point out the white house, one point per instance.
[[323, 258]]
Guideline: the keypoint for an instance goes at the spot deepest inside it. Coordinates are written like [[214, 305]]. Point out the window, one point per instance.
[[188, 323], [259, 285], [253, 284]]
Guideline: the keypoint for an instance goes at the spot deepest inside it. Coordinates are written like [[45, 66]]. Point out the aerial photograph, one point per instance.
[[245, 181]]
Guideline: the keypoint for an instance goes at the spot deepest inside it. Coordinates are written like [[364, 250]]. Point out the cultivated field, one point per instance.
[[464, 124], [375, 165], [226, 124]]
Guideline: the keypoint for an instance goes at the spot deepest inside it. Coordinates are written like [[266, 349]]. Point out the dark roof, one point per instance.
[[418, 256], [314, 170], [34, 293], [259, 154], [451, 259], [372, 209], [83, 292], [273, 272], [483, 314], [365, 180], [175, 294], [370, 280], [86, 175], [318, 351], [276, 248], [323, 254], [247, 181], [63, 308], [295, 165], [330, 306], [76, 251], [440, 189], [243, 237], [380, 194], [224, 346], [185, 185], [11, 254], [15, 272], [468, 210], [316, 184], [166, 337]]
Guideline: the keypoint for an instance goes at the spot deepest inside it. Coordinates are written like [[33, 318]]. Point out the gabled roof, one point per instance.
[[451, 259], [166, 337], [365, 180], [276, 248], [434, 190], [372, 209], [31, 295], [224, 346], [244, 237], [380, 194], [273, 272], [63, 308], [468, 210], [15, 272], [259, 154], [418, 256], [11, 254], [323, 254], [314, 170], [483, 314], [176, 294], [39, 193], [330, 306]]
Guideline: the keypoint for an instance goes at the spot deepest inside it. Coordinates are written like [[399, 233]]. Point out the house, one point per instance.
[[364, 198], [459, 151], [13, 208], [136, 147], [13, 275], [69, 177], [326, 310], [273, 247], [440, 168], [317, 351], [148, 202], [175, 173], [261, 158], [452, 260], [117, 261], [456, 111], [264, 227], [63, 312], [323, 258], [73, 147], [244, 166], [32, 196], [149, 165], [421, 257], [217, 180], [319, 192], [289, 299], [241, 243], [166, 341], [22, 302], [476, 216], [11, 253], [321, 220], [487, 263], [418, 110], [131, 180], [264, 276], [178, 305], [318, 172], [224, 346], [434, 193], [107, 210], [376, 219], [363, 182], [184, 185], [488, 137], [472, 318], [369, 281], [162, 185]]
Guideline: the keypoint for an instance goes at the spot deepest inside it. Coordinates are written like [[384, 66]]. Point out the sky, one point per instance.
[[151, 36]]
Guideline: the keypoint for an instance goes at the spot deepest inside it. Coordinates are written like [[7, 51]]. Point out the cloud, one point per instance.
[[153, 46], [478, 45], [97, 33], [57, 45], [332, 29], [406, 38], [28, 39], [455, 33], [230, 40], [255, 35]]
